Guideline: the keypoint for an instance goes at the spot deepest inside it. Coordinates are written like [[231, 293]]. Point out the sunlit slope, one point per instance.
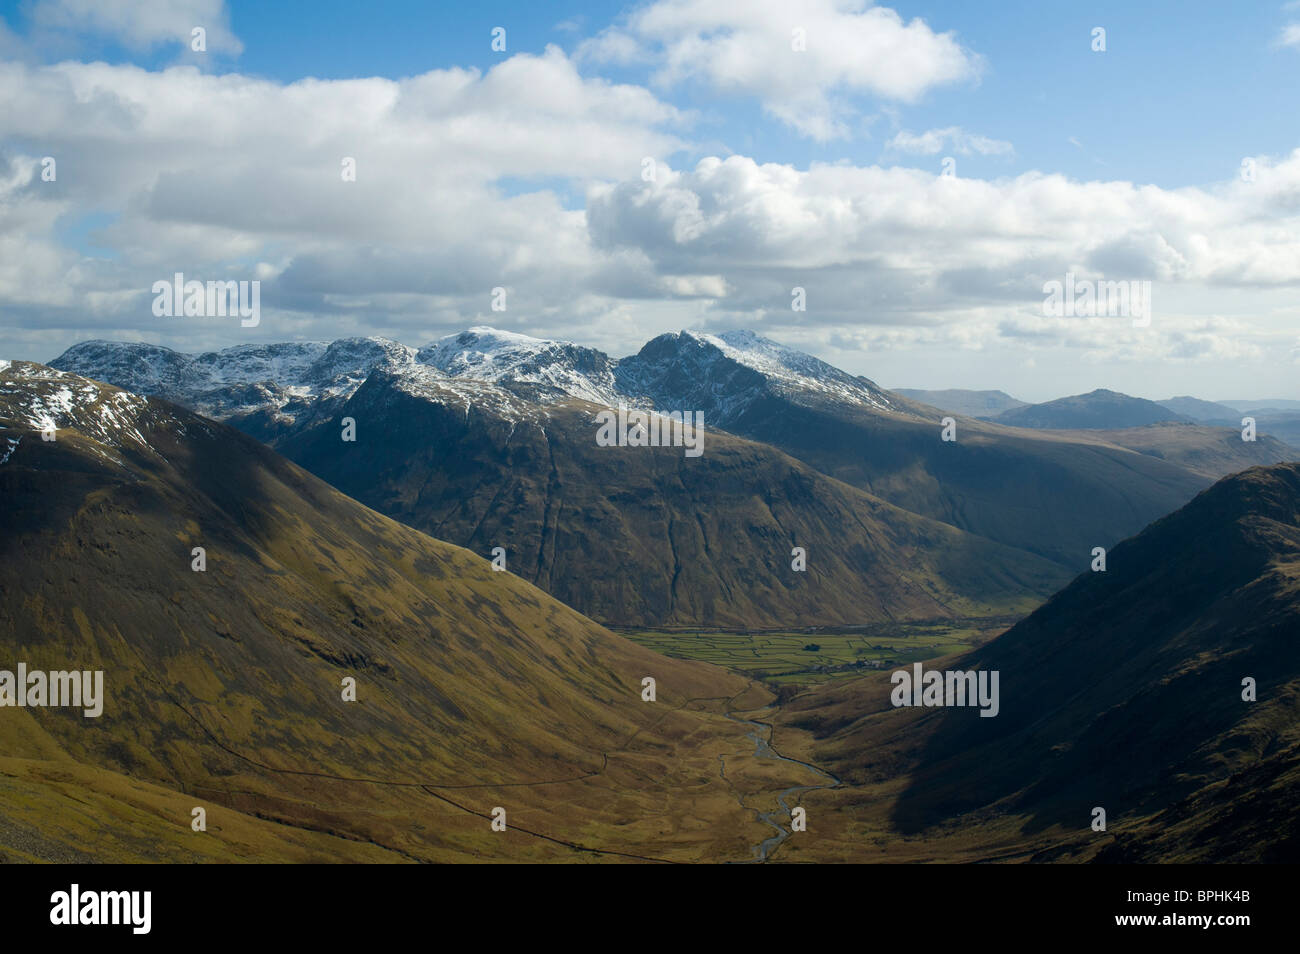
[[474, 689]]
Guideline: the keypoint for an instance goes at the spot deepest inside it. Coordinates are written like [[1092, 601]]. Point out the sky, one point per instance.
[[916, 175]]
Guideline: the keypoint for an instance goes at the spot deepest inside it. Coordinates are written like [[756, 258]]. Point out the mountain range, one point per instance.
[[1098, 410], [1103, 410], [486, 439], [1279, 418], [985, 404]]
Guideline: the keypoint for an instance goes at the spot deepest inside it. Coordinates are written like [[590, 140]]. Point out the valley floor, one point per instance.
[[808, 657]]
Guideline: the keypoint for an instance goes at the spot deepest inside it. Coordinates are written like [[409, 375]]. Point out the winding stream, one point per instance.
[[762, 735]]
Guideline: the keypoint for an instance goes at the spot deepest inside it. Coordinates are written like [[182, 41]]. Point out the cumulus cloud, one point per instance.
[[735, 211], [207, 174], [466, 181], [803, 59], [894, 257]]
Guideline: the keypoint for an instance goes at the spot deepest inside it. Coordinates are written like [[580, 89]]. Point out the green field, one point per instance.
[[818, 655]]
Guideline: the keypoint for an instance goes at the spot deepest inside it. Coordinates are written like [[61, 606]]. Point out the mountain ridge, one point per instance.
[[1100, 409], [1049, 496]]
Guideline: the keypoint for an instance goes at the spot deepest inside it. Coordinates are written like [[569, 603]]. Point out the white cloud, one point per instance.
[[140, 24], [203, 173], [746, 49], [976, 233], [894, 258], [933, 141], [465, 182], [1290, 35]]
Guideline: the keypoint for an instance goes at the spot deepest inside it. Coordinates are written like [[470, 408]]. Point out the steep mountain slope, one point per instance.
[[493, 457], [1096, 410], [1054, 495], [223, 688], [724, 375], [648, 535], [1124, 691], [985, 404]]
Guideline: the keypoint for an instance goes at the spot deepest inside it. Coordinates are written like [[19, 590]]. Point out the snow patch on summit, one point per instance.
[[38, 397], [489, 354], [430, 384], [794, 369], [243, 379]]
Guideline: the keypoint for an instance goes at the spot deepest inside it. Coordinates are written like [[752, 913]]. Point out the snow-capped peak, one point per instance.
[[793, 369], [482, 352], [489, 354], [242, 379], [40, 398], [135, 366], [283, 364], [726, 374]]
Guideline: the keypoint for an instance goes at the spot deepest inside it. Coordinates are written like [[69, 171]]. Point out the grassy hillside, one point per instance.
[[474, 688]]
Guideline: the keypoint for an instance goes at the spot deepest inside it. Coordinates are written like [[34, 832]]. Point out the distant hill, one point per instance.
[[1277, 419], [985, 404], [1203, 412], [1284, 425], [1274, 404], [1096, 410]]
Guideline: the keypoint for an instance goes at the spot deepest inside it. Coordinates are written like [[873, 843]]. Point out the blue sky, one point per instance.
[[1139, 112], [1158, 124]]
